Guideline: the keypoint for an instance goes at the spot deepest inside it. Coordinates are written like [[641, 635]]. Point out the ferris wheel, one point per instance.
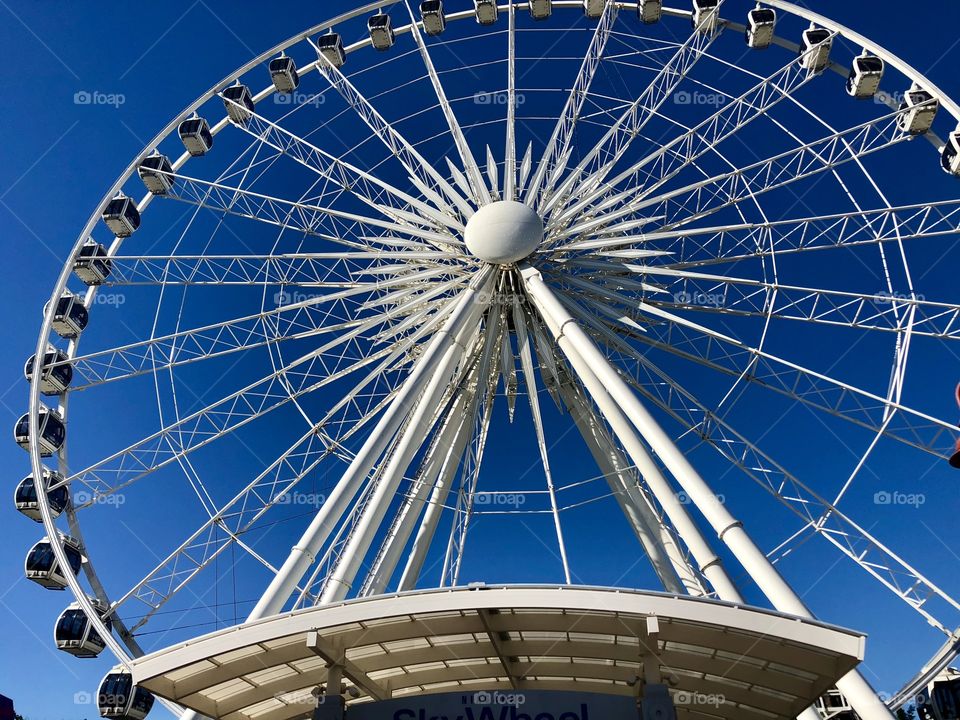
[[426, 269]]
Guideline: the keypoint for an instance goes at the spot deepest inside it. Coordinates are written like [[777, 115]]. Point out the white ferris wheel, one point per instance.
[[434, 289]]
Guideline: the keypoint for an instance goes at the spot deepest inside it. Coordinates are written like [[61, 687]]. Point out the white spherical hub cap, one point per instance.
[[503, 232]]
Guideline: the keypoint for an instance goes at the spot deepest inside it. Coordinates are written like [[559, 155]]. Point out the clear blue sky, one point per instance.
[[57, 158]]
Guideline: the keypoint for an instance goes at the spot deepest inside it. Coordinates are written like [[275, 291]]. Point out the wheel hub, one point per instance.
[[503, 232]]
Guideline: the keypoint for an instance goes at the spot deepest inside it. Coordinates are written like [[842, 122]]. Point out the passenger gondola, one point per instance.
[[865, 76], [950, 156], [486, 11], [381, 32], [122, 216], [761, 23], [156, 173], [541, 9], [945, 698], [650, 11], [28, 503], [75, 633], [815, 46], [593, 8], [239, 103], [119, 698], [330, 46], [196, 136], [70, 316], [42, 565], [50, 426], [283, 73], [432, 16], [55, 371], [92, 264], [706, 16], [918, 111]]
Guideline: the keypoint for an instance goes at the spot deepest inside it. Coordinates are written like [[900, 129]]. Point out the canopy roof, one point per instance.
[[761, 663]]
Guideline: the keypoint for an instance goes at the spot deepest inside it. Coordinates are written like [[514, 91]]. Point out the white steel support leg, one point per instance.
[[432, 471], [411, 440], [304, 552], [614, 467], [587, 359]]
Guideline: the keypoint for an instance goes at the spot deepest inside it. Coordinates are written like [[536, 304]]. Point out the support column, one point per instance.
[[587, 359], [304, 552]]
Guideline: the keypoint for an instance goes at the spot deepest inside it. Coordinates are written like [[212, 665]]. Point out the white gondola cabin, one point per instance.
[[486, 11], [650, 11], [92, 264], [74, 633], [55, 371], [865, 76], [541, 9], [50, 427], [239, 103], [432, 16], [330, 46], [42, 565], [121, 216], [950, 156], [761, 24], [706, 16], [283, 73], [70, 316], [381, 32], [918, 111], [27, 500], [156, 173], [196, 136], [815, 46], [593, 8], [119, 698]]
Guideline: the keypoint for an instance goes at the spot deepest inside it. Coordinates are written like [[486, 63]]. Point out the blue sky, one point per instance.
[[58, 159]]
